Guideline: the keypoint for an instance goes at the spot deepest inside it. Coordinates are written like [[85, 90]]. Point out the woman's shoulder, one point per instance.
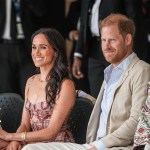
[[67, 86], [67, 82]]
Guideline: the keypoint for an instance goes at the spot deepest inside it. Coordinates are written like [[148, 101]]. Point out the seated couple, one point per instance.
[[114, 119]]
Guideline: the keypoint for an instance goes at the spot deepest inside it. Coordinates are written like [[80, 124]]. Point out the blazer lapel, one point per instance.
[[134, 60], [125, 74], [94, 119]]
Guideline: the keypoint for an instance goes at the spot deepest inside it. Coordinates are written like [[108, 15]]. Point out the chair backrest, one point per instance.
[[11, 105], [79, 118]]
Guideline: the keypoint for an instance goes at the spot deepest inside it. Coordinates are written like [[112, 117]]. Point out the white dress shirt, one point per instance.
[[7, 28], [94, 22], [6, 34], [95, 18]]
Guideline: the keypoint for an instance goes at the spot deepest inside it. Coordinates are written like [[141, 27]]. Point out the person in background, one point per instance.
[[72, 28], [142, 134], [17, 24], [72, 24], [49, 95], [47, 13], [88, 45], [115, 114], [19, 19], [146, 12]]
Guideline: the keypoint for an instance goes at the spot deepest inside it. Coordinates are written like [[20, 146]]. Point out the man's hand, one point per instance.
[[76, 68], [74, 35]]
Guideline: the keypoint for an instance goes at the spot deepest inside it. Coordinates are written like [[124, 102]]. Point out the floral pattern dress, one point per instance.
[[40, 115]]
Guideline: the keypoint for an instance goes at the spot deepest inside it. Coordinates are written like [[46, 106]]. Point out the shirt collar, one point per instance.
[[122, 66]]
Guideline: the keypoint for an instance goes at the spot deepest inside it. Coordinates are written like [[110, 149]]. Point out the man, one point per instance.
[[87, 53], [15, 58], [72, 27], [115, 115]]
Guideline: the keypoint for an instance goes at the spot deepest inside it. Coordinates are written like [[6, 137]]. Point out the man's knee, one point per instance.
[[54, 146], [28, 147]]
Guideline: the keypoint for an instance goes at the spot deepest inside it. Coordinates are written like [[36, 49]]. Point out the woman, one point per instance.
[[49, 95]]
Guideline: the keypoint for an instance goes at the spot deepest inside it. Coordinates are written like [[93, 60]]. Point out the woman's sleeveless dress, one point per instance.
[[40, 115]]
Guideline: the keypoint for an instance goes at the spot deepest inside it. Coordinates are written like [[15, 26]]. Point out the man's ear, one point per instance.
[[128, 39]]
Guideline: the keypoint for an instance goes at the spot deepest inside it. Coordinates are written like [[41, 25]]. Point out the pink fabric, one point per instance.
[[40, 115]]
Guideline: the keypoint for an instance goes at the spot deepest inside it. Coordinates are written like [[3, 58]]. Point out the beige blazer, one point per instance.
[[128, 98]]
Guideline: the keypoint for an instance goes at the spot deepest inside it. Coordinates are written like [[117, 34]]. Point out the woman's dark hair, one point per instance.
[[60, 71]]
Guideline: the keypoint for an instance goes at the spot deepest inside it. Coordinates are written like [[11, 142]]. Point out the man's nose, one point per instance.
[[107, 45]]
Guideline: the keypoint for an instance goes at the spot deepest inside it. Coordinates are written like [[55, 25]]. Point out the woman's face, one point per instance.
[[42, 52]]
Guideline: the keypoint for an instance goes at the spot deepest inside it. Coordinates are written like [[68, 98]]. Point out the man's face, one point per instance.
[[115, 47]]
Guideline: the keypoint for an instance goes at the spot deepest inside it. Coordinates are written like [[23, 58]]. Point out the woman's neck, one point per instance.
[[44, 72]]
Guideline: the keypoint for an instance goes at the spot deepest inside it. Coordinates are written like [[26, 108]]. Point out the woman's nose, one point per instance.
[[38, 51]]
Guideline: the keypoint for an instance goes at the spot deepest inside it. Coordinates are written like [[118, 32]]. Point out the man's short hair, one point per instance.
[[125, 25]]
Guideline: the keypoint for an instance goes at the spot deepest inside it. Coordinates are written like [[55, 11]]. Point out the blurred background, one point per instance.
[[19, 19]]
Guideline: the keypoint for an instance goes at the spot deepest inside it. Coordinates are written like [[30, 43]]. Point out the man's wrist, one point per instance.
[[78, 55], [99, 145]]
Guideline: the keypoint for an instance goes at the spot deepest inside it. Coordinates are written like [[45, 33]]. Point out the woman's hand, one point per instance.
[[3, 144], [14, 145], [3, 134]]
